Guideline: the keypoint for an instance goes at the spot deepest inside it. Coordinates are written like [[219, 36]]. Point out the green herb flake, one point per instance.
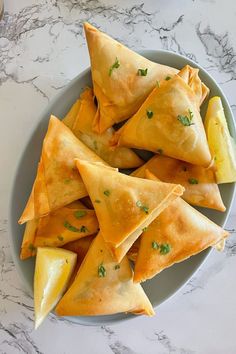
[[157, 84], [83, 229], [160, 151], [142, 72], [97, 201], [117, 266], [168, 78], [31, 247], [149, 114], [80, 213], [165, 248], [95, 145], [116, 65], [101, 271], [142, 207], [60, 238], [67, 180], [186, 120], [70, 227], [145, 229], [192, 181], [155, 245], [107, 193]]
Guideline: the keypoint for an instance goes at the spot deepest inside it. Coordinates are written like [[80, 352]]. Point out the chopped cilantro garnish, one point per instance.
[[186, 120], [114, 66], [73, 228], [101, 271], [142, 72], [192, 181], [145, 228], [164, 248], [32, 247], [117, 266], [149, 114], [107, 193], [97, 201], [155, 245], [142, 207], [79, 213], [67, 180], [83, 229], [167, 78], [60, 238]]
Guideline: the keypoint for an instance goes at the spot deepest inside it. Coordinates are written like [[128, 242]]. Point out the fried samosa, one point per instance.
[[169, 123], [178, 233], [103, 287], [124, 205], [122, 79], [60, 227], [191, 77], [83, 113], [199, 182], [58, 182], [65, 225]]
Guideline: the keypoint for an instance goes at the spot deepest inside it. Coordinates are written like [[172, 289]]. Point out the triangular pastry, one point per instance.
[[103, 287], [65, 225], [169, 123], [176, 234], [122, 79], [58, 182], [60, 227], [124, 205], [80, 119], [191, 77], [199, 182]]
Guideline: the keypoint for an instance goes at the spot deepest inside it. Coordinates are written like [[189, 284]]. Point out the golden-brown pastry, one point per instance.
[[176, 234], [190, 76], [199, 182], [80, 247], [65, 225], [103, 287], [27, 246], [122, 79], [58, 182], [124, 205], [80, 119], [133, 251], [169, 123], [58, 228]]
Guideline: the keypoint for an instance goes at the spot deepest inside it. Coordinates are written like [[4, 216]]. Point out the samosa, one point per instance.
[[122, 79], [124, 205], [199, 182], [80, 119], [168, 123], [178, 233], [103, 287], [58, 182]]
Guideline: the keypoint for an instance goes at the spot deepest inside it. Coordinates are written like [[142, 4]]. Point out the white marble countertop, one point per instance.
[[42, 48]]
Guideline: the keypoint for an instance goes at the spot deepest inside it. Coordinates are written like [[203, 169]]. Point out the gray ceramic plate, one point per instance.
[[167, 282]]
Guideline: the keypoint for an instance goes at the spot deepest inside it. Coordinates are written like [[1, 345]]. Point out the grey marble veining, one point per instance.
[[42, 47]]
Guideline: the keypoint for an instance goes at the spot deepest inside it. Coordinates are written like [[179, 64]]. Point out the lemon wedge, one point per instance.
[[53, 270], [221, 144]]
